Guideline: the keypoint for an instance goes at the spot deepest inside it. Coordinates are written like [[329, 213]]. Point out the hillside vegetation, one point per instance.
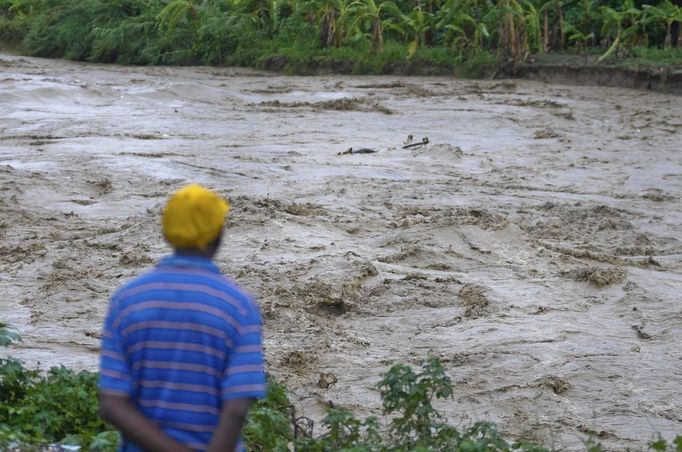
[[471, 37]]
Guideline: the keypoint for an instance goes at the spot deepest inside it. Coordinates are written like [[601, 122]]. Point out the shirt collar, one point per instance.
[[176, 260]]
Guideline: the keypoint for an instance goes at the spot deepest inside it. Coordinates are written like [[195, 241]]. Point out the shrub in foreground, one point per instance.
[[61, 406], [414, 425]]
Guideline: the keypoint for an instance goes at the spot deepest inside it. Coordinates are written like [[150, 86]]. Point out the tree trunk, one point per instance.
[[668, 36], [545, 37], [328, 29], [378, 35], [562, 32], [510, 44]]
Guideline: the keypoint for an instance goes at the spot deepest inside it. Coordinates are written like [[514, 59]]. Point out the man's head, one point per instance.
[[193, 220]]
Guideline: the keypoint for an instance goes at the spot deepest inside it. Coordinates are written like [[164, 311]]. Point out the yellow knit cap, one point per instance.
[[194, 217]]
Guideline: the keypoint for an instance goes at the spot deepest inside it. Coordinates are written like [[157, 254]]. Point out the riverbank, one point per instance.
[[663, 76]]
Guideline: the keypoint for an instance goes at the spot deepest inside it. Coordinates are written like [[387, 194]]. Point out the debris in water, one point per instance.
[[599, 276], [472, 298], [641, 333], [326, 380], [558, 384], [423, 142], [358, 151], [545, 133]]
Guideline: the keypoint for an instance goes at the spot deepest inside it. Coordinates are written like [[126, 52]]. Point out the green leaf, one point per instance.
[[8, 335]]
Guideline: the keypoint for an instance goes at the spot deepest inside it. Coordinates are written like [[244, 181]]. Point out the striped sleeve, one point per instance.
[[114, 376], [245, 373]]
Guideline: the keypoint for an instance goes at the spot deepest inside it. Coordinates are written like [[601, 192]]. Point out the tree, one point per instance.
[[413, 26], [332, 16], [533, 28], [622, 26], [369, 11], [513, 36], [260, 12], [579, 38], [178, 12], [667, 13], [454, 20], [585, 18], [552, 39]]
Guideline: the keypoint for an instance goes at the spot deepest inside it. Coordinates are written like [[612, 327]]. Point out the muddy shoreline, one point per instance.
[[667, 80], [663, 80], [534, 244]]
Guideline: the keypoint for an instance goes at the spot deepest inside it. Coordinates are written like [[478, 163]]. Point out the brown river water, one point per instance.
[[534, 244]]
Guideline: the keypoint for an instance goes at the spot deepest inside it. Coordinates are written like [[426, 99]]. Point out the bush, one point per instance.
[[478, 64], [414, 425], [61, 406], [8, 335], [65, 29]]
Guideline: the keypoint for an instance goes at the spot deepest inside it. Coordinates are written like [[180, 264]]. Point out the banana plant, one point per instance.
[[413, 26], [458, 27], [613, 25], [556, 8], [513, 38], [177, 12], [623, 26], [263, 14], [583, 20], [667, 13], [533, 28], [20, 8], [579, 38], [332, 17], [369, 11]]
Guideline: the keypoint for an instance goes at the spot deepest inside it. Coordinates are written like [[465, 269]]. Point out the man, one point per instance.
[[182, 356]]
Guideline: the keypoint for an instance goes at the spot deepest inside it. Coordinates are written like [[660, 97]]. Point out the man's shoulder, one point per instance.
[[214, 285], [250, 308]]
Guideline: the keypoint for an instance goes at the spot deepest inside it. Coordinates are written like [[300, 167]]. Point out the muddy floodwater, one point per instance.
[[534, 243]]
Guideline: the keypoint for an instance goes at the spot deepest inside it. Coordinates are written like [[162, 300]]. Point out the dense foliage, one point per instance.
[[61, 406], [7, 335], [341, 35]]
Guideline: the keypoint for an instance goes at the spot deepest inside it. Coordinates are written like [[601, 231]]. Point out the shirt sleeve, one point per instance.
[[114, 376], [245, 372]]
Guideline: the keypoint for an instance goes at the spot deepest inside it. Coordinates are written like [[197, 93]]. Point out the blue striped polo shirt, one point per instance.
[[179, 341]]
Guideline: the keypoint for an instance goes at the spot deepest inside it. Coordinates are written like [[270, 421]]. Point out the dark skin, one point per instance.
[[120, 411]]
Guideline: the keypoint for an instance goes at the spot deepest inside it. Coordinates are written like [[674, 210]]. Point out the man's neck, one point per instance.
[[191, 252]]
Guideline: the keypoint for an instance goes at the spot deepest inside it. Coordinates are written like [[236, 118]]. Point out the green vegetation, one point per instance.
[[62, 407], [7, 335], [413, 423], [469, 37], [410, 422]]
